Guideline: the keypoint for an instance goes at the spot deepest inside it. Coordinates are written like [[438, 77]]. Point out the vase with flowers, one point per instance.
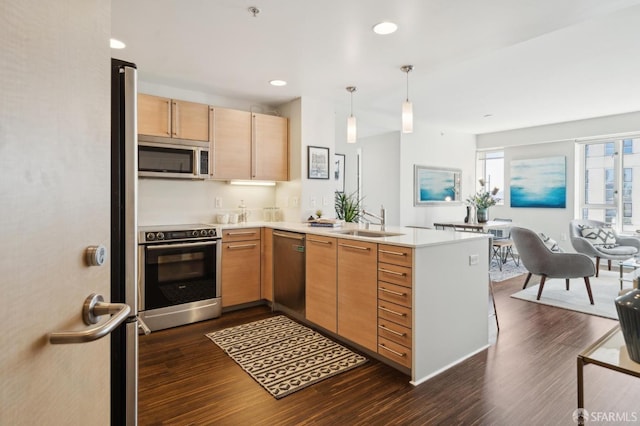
[[482, 200]]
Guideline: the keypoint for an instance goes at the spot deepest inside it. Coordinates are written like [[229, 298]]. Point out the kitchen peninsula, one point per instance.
[[415, 298]]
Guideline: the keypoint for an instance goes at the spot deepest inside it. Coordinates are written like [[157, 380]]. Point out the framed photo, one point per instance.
[[318, 159], [338, 171], [435, 185]]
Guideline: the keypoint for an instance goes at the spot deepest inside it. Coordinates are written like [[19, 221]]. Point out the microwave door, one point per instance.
[[167, 161]]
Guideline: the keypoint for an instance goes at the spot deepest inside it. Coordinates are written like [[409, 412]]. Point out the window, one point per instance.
[[491, 168], [608, 185]]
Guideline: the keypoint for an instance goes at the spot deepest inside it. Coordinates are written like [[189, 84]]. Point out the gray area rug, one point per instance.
[[509, 270], [284, 356], [604, 288]]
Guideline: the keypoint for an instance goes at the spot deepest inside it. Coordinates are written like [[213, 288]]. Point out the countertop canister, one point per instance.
[[628, 307]]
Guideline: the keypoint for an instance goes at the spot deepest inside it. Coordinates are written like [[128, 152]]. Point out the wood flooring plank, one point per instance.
[[527, 377]]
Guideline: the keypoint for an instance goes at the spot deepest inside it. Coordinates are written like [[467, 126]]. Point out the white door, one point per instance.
[[54, 202]]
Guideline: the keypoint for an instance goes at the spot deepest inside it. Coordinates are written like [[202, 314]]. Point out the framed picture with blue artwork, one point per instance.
[[434, 185], [539, 182]]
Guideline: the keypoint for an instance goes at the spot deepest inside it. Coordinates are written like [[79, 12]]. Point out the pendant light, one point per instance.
[[407, 107], [351, 121]]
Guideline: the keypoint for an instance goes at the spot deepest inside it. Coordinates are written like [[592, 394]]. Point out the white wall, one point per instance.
[[428, 146], [546, 141]]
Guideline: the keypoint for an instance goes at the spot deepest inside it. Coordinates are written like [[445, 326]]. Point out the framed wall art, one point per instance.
[[318, 162], [435, 185], [539, 182], [338, 171]]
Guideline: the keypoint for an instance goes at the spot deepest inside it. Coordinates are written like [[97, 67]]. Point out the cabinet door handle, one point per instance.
[[392, 331], [400, 314], [392, 351], [387, 271], [168, 118], [176, 119], [354, 247], [311, 240], [395, 293], [242, 233], [241, 246], [395, 253]]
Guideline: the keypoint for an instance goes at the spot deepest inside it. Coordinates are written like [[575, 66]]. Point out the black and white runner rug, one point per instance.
[[284, 356]]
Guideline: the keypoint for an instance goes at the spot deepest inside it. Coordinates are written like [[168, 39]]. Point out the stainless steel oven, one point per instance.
[[179, 279]]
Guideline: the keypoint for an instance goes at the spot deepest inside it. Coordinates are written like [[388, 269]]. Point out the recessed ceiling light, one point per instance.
[[116, 44], [278, 83], [384, 28], [487, 115]]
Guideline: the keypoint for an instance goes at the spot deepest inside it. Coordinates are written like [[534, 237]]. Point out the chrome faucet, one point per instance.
[[381, 218]]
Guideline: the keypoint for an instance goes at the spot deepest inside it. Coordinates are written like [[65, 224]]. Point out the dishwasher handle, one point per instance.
[[287, 235]]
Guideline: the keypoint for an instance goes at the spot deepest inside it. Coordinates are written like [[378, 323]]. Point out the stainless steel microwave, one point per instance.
[[162, 160]]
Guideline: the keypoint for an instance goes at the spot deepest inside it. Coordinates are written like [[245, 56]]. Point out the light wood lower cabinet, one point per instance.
[[241, 252], [395, 301], [266, 287], [357, 292], [321, 284]]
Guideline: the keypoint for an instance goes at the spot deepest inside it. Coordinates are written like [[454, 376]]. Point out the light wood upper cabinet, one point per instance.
[[171, 118], [154, 115], [357, 292], [248, 146], [271, 147], [230, 144], [321, 286]]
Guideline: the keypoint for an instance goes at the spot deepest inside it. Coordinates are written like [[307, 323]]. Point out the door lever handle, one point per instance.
[[94, 307]]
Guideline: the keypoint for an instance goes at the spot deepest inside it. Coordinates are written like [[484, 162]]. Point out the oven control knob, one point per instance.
[[212, 232], [203, 233], [150, 236], [194, 233], [160, 235]]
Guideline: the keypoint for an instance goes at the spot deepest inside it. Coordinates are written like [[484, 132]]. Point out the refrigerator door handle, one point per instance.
[[94, 307]]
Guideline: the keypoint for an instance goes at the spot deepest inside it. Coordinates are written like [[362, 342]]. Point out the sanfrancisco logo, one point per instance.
[[580, 416]]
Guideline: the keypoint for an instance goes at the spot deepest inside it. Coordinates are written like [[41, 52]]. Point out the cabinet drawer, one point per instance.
[[395, 294], [394, 352], [402, 256], [400, 275], [394, 332], [394, 313], [230, 235]]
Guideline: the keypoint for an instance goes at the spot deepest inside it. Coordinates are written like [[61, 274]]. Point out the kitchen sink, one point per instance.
[[367, 233]]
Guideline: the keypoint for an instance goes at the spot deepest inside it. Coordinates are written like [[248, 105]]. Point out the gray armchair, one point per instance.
[[603, 245], [539, 260]]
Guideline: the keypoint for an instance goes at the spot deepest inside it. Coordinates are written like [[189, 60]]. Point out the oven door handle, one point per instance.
[[182, 245]]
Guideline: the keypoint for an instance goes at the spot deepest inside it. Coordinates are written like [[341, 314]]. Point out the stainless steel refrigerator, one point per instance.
[[124, 241]]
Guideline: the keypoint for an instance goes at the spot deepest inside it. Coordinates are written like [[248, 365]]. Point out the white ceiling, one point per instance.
[[525, 62]]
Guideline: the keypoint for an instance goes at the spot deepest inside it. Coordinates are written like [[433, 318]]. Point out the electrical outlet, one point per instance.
[[218, 202], [563, 237], [473, 259], [312, 201], [294, 201], [325, 201]]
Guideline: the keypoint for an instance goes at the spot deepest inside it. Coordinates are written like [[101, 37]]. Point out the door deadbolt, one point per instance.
[[96, 255]]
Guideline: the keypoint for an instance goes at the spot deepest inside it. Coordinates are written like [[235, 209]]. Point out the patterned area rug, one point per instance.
[[284, 356], [509, 270]]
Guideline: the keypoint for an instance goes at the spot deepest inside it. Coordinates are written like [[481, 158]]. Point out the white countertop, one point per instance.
[[411, 237]]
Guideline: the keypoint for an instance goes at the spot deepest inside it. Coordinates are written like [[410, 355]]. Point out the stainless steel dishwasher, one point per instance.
[[288, 273]]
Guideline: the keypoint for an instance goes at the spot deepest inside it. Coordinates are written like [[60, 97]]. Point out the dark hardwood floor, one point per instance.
[[528, 377]]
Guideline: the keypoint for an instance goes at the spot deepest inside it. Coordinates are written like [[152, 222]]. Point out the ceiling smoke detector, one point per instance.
[[254, 11]]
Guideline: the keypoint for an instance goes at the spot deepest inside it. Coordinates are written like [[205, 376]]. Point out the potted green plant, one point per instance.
[[347, 206], [482, 200]]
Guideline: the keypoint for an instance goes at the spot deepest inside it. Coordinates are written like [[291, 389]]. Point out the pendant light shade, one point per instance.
[[351, 121], [407, 106]]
